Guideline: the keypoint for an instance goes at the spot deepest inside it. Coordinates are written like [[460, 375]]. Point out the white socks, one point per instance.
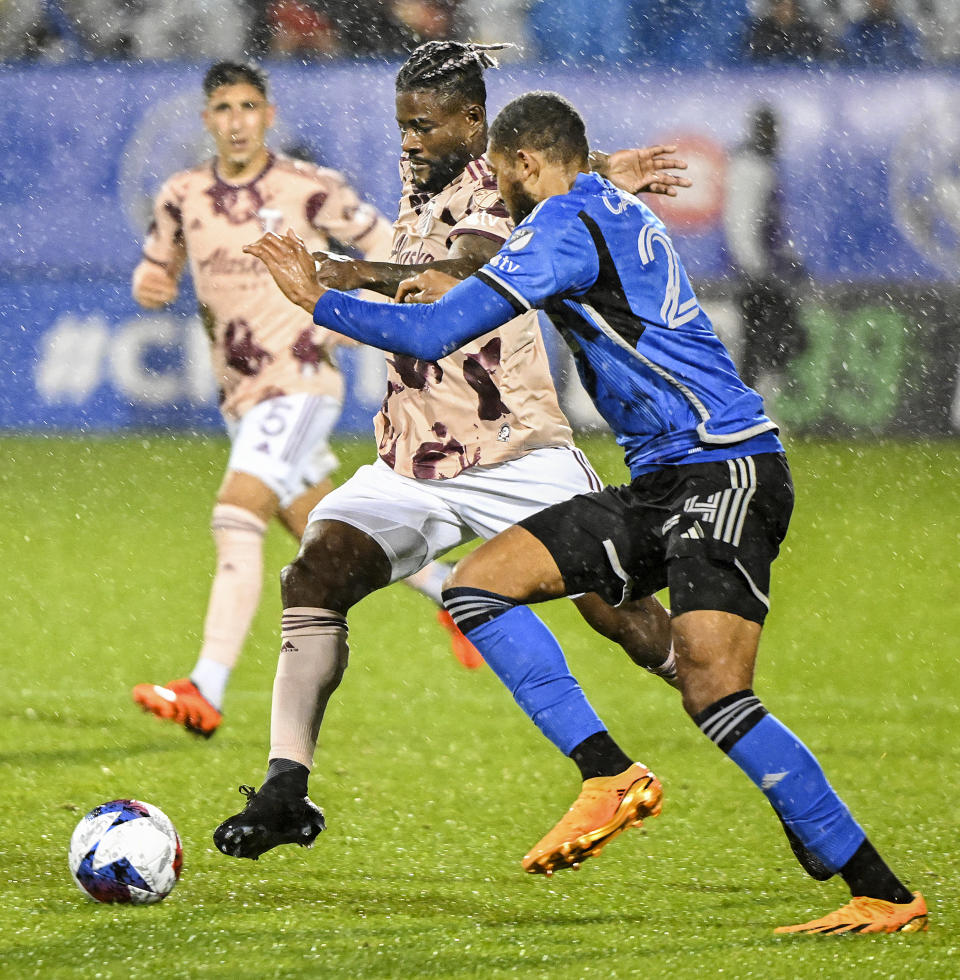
[[429, 580], [234, 596], [313, 657]]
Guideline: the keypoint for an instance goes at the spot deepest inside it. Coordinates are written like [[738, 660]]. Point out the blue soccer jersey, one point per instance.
[[602, 266]]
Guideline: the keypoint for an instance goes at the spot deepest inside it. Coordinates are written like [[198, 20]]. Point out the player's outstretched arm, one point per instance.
[[642, 169], [429, 331], [152, 286], [468, 254]]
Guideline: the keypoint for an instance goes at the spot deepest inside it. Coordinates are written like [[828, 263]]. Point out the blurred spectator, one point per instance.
[[23, 28], [296, 28], [576, 31], [882, 38], [493, 21], [425, 20], [171, 29], [700, 33], [938, 22], [768, 271], [785, 36]]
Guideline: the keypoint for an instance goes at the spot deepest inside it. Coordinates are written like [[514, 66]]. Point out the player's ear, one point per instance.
[[476, 116], [271, 115], [528, 163]]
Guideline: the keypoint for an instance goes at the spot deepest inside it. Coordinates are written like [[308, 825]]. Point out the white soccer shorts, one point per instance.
[[415, 521], [285, 443]]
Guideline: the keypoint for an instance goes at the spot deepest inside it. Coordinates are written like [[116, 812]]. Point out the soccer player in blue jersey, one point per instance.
[[708, 506]]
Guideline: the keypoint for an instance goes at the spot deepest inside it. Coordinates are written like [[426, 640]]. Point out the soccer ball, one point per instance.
[[126, 851]]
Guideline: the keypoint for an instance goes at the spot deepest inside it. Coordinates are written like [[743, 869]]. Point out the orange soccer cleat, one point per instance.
[[862, 914], [606, 806], [182, 702], [463, 649]]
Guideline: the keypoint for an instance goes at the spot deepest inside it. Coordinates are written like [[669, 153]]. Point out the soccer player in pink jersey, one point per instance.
[[280, 387], [468, 445]]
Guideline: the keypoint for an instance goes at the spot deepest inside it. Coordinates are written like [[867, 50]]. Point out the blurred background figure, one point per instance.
[[768, 272], [298, 29], [881, 37], [938, 24], [599, 31], [489, 21], [784, 34]]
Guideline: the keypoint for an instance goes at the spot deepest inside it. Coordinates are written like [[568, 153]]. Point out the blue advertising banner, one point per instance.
[[871, 195]]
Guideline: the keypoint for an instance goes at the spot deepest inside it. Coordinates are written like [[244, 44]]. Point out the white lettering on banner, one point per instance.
[[128, 355], [80, 354], [71, 355], [370, 375], [200, 386]]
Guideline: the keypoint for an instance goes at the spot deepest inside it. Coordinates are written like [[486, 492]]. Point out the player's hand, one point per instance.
[[153, 286], [340, 271], [427, 287], [293, 268], [645, 169]]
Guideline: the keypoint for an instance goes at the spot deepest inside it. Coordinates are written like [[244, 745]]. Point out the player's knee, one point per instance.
[[307, 580], [336, 567], [238, 537]]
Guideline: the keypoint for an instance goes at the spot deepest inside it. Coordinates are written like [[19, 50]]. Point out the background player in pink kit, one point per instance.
[[280, 388]]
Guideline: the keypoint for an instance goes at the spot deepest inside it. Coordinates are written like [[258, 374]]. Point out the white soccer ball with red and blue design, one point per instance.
[[126, 851]]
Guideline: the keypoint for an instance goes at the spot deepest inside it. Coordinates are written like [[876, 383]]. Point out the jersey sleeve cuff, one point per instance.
[[514, 298]]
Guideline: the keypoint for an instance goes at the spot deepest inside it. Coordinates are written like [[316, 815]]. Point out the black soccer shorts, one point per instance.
[[708, 531]]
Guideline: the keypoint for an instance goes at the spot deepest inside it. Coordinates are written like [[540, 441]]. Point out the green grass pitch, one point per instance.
[[433, 782]]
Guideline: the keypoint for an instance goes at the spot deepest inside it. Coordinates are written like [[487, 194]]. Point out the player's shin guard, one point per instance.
[[523, 653], [787, 774], [313, 657]]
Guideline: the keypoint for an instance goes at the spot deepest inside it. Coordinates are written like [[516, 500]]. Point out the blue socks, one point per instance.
[[786, 773], [523, 653]]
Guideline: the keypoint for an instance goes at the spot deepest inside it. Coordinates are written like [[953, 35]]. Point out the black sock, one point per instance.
[[286, 777], [866, 873], [599, 755]]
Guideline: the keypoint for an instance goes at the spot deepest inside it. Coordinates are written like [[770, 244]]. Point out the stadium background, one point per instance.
[[432, 782], [871, 177]]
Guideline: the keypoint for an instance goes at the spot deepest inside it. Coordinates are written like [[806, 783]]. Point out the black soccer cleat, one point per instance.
[[808, 860], [268, 820]]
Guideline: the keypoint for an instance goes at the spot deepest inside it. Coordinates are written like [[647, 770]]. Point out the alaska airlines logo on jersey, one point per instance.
[[270, 219], [520, 238]]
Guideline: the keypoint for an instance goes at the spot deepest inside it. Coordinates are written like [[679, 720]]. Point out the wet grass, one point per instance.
[[433, 782]]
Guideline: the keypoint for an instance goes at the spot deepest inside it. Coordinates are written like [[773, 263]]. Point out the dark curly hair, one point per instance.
[[234, 73], [453, 68]]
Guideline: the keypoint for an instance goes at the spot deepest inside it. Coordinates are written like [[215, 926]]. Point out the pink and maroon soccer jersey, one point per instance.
[[262, 344], [494, 399]]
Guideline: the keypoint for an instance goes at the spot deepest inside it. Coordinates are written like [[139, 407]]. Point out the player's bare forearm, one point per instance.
[[385, 277], [468, 253], [425, 287]]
